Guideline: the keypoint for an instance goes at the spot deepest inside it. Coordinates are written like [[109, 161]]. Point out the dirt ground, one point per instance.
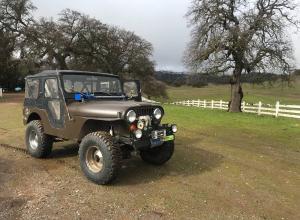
[[12, 98], [208, 178]]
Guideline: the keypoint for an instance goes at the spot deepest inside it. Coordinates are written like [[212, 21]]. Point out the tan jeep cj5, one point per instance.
[[103, 114]]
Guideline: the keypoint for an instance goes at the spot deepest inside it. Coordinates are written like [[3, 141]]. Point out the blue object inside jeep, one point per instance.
[[83, 96]]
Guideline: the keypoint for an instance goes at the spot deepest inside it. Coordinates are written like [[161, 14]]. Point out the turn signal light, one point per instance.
[[133, 127]]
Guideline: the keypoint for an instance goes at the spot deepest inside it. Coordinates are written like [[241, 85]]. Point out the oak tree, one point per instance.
[[240, 36]]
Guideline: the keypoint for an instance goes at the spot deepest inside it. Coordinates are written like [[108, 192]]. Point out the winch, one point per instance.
[[144, 122]]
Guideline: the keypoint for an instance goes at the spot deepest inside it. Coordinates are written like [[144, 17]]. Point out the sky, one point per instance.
[[161, 22]]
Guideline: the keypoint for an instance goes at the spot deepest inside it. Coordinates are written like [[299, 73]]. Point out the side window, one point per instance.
[[51, 89], [32, 88], [131, 89]]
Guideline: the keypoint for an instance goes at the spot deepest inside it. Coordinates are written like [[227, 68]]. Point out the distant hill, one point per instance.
[[200, 80], [172, 78]]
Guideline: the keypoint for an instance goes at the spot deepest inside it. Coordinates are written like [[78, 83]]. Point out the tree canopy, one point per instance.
[[236, 36], [73, 41]]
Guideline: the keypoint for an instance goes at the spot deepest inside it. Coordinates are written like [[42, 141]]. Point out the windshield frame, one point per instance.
[[71, 94]]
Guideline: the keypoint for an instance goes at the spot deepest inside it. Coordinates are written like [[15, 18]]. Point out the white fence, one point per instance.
[[204, 104], [1, 93], [277, 110]]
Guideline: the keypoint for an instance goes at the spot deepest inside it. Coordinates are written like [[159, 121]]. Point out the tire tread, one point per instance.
[[45, 147], [115, 154]]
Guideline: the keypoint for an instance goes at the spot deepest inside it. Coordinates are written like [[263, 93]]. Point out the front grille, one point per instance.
[[142, 111]]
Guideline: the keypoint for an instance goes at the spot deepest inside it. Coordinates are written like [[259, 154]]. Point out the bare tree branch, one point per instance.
[[240, 36]]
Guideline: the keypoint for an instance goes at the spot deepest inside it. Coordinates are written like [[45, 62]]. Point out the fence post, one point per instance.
[[1, 93], [212, 104], [243, 106], [198, 103], [204, 104], [259, 108], [221, 104], [277, 109]]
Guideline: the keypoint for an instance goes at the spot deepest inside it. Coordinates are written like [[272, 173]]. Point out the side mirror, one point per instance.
[[132, 90]]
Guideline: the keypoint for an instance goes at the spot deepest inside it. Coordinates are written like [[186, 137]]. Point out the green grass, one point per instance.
[[225, 166], [229, 126], [252, 94]]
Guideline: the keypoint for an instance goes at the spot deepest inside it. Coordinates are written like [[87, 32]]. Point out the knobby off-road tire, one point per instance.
[[39, 144], [99, 158], [158, 155]]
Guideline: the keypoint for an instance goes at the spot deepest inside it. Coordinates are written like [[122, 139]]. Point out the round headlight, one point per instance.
[[131, 116], [157, 113], [138, 134], [174, 128]]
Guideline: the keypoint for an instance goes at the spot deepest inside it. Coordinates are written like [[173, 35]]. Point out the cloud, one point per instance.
[[161, 22]]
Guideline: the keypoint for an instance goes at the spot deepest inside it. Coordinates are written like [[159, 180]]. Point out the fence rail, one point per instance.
[[277, 110]]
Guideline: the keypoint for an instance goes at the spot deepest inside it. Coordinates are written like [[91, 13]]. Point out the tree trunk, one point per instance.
[[62, 64], [236, 98], [236, 92]]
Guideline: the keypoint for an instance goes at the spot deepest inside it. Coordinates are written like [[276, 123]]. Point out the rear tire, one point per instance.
[[39, 144], [99, 158], [158, 155]]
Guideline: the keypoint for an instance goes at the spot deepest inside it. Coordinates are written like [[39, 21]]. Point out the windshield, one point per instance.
[[93, 84]]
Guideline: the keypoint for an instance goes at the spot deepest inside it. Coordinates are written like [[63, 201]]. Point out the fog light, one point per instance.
[[138, 134], [174, 128]]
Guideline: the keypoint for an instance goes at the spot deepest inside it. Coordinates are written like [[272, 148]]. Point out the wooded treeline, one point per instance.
[[201, 80], [73, 41]]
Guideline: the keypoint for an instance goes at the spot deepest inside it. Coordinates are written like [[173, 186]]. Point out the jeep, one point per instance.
[[104, 115]]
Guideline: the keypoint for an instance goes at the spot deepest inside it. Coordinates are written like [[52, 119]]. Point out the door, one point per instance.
[[53, 103]]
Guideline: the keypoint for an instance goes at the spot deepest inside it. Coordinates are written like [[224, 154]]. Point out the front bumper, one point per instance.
[[154, 137]]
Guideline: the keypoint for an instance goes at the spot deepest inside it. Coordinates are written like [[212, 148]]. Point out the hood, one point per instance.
[[105, 109]]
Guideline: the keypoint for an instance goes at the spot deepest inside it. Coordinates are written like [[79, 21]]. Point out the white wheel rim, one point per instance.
[[94, 159], [33, 140]]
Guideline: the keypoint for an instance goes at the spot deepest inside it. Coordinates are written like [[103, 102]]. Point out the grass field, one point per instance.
[[252, 94], [226, 166]]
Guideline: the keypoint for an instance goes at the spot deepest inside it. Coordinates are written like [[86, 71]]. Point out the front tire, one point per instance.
[[158, 155], [99, 158], [39, 144]]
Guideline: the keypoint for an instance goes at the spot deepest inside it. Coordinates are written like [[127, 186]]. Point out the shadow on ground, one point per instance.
[[64, 150], [189, 160]]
